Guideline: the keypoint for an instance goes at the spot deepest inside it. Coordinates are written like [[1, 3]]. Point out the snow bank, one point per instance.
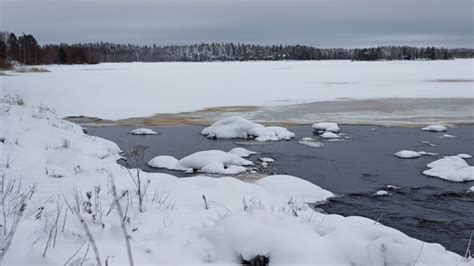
[[293, 187], [143, 131], [452, 168], [197, 220], [212, 161], [435, 128], [406, 154], [326, 126], [464, 156], [239, 127]]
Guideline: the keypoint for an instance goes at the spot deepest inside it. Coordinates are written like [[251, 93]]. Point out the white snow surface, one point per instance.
[[406, 154], [175, 227], [382, 193], [242, 152], [174, 87], [143, 131], [326, 126], [435, 128], [212, 161], [464, 156], [451, 168], [329, 135], [239, 127], [266, 159]]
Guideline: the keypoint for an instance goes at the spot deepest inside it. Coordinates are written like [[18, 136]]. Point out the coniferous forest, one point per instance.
[[25, 49]]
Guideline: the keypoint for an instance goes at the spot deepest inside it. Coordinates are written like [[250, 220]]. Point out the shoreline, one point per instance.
[[387, 112]]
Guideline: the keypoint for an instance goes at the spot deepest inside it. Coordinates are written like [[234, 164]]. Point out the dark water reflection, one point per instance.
[[427, 208]]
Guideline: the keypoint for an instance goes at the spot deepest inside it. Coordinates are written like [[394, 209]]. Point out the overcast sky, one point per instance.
[[323, 23]]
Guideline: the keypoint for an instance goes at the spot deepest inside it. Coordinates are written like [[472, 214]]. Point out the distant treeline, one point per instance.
[[25, 49]]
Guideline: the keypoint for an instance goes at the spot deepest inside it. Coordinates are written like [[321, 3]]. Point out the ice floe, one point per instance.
[[452, 168], [311, 143], [242, 152], [239, 127], [446, 136], [464, 156]]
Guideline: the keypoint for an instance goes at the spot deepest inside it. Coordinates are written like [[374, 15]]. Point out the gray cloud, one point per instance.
[[342, 23]]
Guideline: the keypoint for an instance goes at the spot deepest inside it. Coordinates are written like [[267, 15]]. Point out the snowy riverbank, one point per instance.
[[184, 220], [146, 89]]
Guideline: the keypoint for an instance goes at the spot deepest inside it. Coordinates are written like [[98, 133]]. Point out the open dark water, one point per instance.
[[426, 208]]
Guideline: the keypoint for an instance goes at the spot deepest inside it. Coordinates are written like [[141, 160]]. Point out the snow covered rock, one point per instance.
[[143, 131], [464, 156], [435, 128], [239, 127], [212, 161], [452, 168], [326, 126], [242, 152], [382, 193], [267, 160], [406, 154], [329, 135], [294, 187]]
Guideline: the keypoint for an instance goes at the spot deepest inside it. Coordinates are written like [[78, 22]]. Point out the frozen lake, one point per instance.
[[354, 169], [123, 90]]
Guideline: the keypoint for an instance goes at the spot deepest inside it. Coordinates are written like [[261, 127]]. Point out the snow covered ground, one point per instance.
[[197, 220], [121, 90]]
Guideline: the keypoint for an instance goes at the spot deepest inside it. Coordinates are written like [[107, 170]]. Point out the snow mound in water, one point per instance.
[[294, 187], [451, 168], [311, 143], [239, 127], [382, 193], [464, 156], [406, 154], [326, 126], [212, 161], [329, 135], [143, 131], [267, 160], [242, 152], [435, 128]]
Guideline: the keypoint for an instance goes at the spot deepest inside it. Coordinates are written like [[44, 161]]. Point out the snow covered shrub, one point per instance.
[[135, 159], [13, 203], [14, 100]]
